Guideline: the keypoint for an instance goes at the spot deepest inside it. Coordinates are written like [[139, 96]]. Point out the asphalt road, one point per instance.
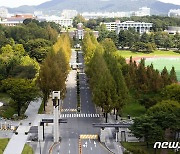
[[93, 147], [77, 126]]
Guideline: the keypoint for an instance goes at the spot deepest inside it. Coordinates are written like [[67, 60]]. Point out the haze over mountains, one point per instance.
[[56, 6]]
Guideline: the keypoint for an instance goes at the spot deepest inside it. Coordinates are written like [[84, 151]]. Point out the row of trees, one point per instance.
[[54, 69], [113, 81], [109, 89]]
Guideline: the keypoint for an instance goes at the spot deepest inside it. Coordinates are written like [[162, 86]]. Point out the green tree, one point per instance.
[[171, 92], [173, 76], [79, 19], [145, 127], [22, 91]]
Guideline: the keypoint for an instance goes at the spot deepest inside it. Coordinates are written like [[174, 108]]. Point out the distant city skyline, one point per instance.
[[16, 3]]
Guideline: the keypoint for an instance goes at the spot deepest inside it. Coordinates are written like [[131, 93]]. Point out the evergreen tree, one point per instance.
[[173, 77]]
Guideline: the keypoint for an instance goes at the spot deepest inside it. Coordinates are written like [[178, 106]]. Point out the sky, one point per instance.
[[16, 3]]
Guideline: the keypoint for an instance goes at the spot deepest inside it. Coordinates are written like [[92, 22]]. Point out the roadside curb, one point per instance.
[[52, 146], [105, 146]]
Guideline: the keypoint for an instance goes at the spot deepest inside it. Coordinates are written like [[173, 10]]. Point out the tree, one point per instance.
[[79, 19], [54, 69], [145, 127], [173, 76], [145, 38], [109, 46], [167, 114], [38, 48], [22, 91], [103, 32], [171, 92], [165, 76]]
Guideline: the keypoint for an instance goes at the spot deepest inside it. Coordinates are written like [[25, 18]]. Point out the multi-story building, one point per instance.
[[144, 11], [3, 12], [173, 30], [69, 14], [60, 20], [16, 20], [140, 27], [174, 13]]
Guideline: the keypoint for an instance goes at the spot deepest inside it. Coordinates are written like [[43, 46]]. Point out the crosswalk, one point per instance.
[[68, 110], [79, 115]]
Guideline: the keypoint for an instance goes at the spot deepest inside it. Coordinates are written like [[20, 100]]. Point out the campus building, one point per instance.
[[69, 14], [60, 20], [117, 26], [16, 20], [3, 12], [174, 13], [173, 30]]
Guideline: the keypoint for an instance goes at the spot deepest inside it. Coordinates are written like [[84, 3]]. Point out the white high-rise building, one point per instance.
[[143, 11], [3, 12], [69, 14], [174, 13]]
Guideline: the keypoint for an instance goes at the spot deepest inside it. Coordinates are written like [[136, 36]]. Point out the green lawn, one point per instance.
[[133, 108], [27, 149], [3, 144], [7, 110], [141, 148], [4, 98], [127, 53]]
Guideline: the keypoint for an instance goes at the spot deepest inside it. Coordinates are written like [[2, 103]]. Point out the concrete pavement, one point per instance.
[[17, 142]]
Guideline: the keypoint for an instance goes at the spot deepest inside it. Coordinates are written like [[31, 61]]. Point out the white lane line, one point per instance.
[[69, 151], [91, 148], [69, 144]]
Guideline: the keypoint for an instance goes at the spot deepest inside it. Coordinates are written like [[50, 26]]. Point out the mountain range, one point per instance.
[[56, 6]]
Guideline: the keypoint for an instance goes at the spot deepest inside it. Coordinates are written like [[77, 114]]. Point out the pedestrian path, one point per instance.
[[79, 115], [18, 140]]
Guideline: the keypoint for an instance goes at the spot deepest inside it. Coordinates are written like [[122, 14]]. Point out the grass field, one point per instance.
[[7, 110], [27, 149], [3, 143], [127, 53], [133, 108], [130, 146]]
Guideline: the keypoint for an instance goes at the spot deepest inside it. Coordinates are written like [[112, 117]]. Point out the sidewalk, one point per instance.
[[17, 142]]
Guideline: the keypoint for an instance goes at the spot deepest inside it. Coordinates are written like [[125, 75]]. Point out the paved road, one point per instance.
[[81, 125], [93, 147]]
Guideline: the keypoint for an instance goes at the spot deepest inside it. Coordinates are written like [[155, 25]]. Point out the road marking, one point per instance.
[[69, 144], [94, 143], [91, 148], [89, 136], [69, 151], [79, 115]]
